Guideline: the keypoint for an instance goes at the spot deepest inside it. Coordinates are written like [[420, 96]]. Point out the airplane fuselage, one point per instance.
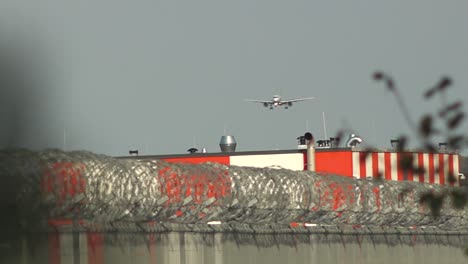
[[277, 101]]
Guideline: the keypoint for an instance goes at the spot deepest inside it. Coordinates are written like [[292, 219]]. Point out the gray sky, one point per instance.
[[159, 76]]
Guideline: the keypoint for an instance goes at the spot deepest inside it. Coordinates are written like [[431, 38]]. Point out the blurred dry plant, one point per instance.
[[448, 113]]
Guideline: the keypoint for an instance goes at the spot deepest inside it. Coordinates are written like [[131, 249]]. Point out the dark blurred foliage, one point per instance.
[[23, 79], [11, 85], [434, 201], [451, 115]]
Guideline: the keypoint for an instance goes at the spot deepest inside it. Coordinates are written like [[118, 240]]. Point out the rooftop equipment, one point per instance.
[[228, 144], [192, 150], [353, 141]]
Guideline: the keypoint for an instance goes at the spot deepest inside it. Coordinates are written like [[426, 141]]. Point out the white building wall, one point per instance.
[[291, 161]]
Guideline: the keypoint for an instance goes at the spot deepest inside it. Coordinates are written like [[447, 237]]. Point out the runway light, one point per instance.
[[309, 224], [214, 223]]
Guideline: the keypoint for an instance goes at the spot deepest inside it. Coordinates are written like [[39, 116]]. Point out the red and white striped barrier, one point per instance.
[[436, 166], [359, 164]]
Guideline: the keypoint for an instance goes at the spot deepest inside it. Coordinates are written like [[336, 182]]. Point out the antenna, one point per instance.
[[307, 125], [324, 126], [64, 139]]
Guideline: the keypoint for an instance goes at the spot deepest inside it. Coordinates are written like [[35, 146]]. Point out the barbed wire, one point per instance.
[[105, 192]]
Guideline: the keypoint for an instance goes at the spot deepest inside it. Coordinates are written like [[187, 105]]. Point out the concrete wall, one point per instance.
[[219, 248]]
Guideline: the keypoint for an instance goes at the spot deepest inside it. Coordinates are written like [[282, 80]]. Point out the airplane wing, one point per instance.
[[257, 101], [297, 100]]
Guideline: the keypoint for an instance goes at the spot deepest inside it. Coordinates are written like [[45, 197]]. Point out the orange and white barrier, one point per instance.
[[359, 164], [436, 167]]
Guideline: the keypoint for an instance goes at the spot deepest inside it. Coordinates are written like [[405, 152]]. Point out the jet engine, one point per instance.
[[265, 104]]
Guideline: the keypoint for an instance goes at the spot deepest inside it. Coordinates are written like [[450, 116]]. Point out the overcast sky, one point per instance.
[[164, 76]]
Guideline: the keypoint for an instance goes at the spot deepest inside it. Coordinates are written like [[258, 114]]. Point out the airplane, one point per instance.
[[277, 101]]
